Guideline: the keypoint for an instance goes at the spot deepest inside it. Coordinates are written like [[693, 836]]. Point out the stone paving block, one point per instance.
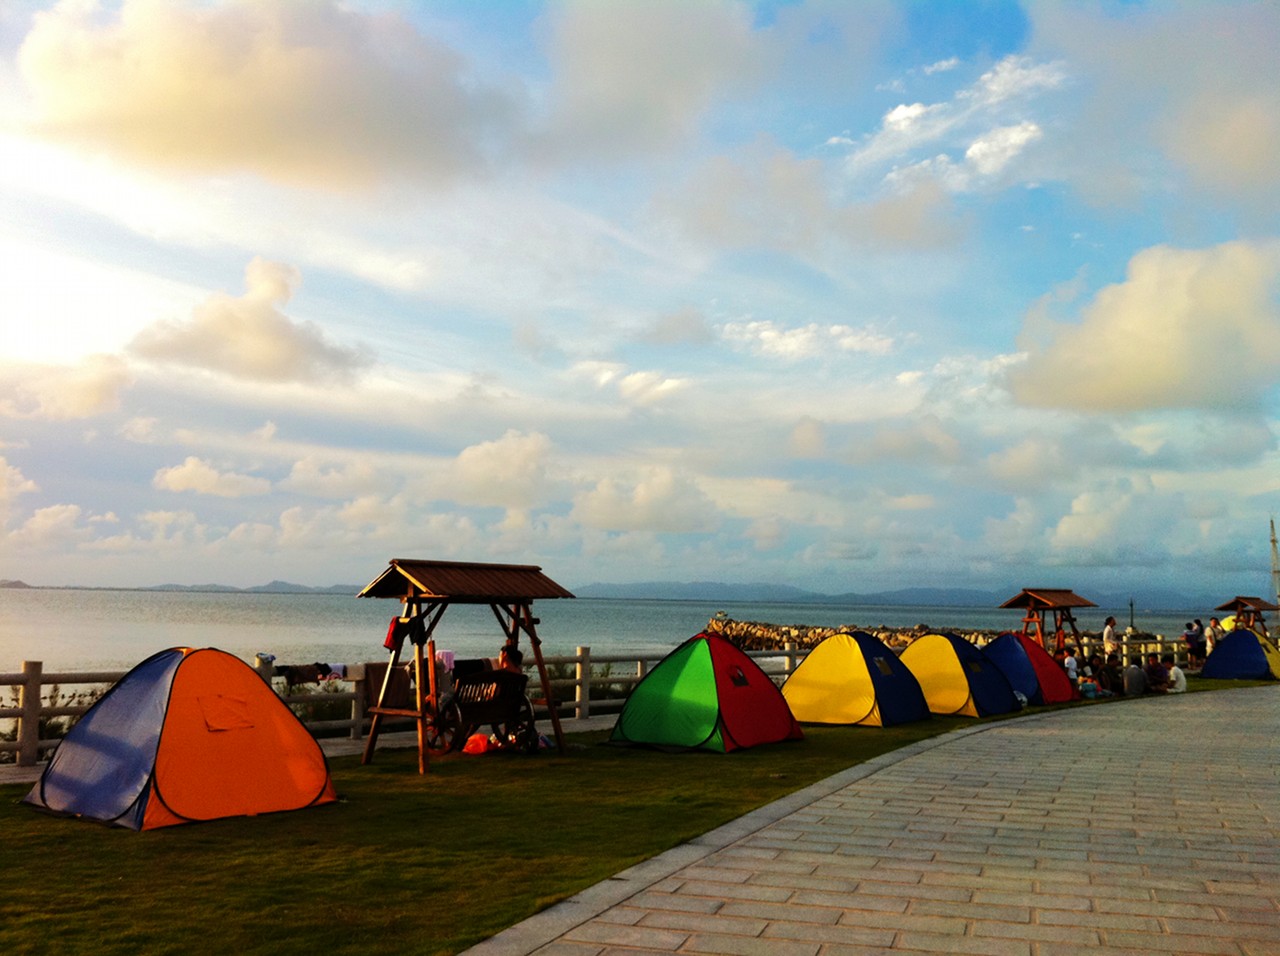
[[971, 910], [783, 911], [736, 891], [682, 902], [622, 915], [827, 934], [1240, 931], [796, 882], [1074, 935], [747, 946], [700, 923], [636, 936], [713, 874], [1118, 921], [1182, 945], [960, 889], [851, 901], [905, 922], [562, 948], [931, 943], [983, 896]]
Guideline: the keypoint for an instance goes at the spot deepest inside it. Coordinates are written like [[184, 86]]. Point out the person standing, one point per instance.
[[1110, 644], [1215, 633]]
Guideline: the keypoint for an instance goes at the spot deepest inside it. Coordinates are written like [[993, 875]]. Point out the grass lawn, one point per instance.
[[402, 863]]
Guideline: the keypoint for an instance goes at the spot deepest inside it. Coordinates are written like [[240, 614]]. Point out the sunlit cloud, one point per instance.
[[249, 337], [199, 476]]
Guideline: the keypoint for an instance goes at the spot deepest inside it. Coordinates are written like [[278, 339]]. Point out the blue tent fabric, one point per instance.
[[103, 769], [1237, 656], [898, 693], [1008, 654]]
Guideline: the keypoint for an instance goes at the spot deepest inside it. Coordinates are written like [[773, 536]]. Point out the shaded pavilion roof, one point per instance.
[[1247, 604], [1047, 598], [462, 582]]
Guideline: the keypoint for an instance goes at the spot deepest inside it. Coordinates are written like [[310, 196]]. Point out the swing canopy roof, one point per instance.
[[462, 582], [1047, 598], [1239, 604]]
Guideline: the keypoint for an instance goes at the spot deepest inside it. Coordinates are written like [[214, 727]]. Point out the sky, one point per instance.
[[846, 296]]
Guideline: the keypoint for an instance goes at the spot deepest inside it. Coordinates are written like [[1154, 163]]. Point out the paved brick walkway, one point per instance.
[[1149, 826]]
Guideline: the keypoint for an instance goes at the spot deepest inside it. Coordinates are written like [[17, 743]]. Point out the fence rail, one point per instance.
[[594, 688]]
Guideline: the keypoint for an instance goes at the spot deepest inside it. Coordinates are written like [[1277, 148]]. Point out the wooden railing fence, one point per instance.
[[599, 685]]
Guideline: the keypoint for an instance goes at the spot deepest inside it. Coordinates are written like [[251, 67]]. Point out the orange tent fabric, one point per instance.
[[186, 736]]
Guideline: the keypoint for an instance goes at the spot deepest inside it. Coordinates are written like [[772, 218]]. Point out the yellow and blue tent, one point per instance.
[[957, 678], [854, 678]]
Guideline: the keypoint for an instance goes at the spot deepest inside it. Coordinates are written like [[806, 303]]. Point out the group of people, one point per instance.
[[1099, 677]]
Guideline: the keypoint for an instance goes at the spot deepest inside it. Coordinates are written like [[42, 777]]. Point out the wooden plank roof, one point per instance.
[[1238, 604], [462, 582], [1047, 598]]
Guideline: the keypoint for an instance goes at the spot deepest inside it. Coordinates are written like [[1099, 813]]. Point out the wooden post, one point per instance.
[[29, 722], [582, 688]]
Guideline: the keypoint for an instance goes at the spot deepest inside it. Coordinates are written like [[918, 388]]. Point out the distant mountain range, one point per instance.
[[1149, 599]]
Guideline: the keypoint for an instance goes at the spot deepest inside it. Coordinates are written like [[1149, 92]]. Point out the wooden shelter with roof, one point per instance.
[[426, 589], [1036, 601], [1248, 612]]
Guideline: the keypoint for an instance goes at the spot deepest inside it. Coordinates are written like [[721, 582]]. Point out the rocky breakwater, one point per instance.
[[759, 636]]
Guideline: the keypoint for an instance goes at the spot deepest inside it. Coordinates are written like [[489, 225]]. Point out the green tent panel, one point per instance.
[[706, 695]]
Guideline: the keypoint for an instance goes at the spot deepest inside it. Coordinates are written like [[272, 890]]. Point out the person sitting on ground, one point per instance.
[[1135, 679], [1177, 679], [1157, 676], [1113, 675], [1104, 680]]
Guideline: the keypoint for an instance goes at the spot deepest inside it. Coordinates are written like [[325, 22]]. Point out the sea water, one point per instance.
[[73, 629]]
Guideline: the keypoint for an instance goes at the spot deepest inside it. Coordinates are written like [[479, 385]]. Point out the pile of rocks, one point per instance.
[[758, 636]]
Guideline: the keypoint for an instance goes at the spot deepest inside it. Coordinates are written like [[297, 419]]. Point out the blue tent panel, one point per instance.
[[103, 769], [991, 690], [1238, 656], [898, 693], [1008, 654]]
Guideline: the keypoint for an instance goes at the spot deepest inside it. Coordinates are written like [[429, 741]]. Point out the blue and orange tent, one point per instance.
[[187, 735]]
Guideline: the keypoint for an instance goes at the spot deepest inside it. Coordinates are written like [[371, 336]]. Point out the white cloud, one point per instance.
[[248, 337], [199, 476], [56, 526], [12, 483], [658, 500], [973, 119], [803, 342], [311, 93], [994, 151], [1187, 328], [511, 472], [322, 478], [59, 393]]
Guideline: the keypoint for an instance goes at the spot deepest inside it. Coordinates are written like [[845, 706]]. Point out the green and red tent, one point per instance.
[[706, 694]]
